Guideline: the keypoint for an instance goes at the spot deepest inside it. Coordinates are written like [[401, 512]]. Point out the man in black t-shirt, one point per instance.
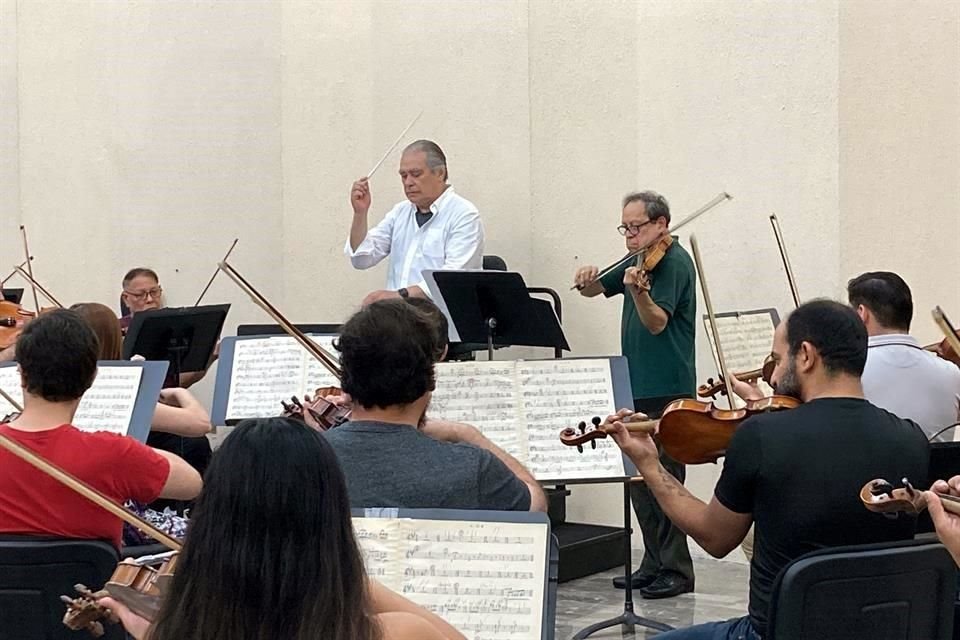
[[796, 474]]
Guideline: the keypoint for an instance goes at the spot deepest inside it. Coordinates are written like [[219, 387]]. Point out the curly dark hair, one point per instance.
[[57, 353], [387, 354]]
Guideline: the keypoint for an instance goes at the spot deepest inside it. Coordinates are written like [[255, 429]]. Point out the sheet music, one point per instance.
[[315, 374], [265, 371], [484, 578], [106, 406], [747, 340], [108, 403], [379, 538], [268, 370], [560, 393], [482, 394], [10, 383]]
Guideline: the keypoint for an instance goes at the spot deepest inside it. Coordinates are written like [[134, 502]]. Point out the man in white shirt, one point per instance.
[[900, 376], [433, 229]]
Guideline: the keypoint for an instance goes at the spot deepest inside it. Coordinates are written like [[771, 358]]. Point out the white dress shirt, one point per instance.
[[451, 239], [903, 378]]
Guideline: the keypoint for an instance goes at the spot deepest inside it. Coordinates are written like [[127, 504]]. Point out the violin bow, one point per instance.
[[786, 260], [713, 320], [327, 359], [215, 272], [13, 403], [87, 491], [3, 281], [947, 327], [26, 253], [37, 286], [723, 196], [393, 146]]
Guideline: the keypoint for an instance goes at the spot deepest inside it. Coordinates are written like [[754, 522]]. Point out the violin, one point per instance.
[[319, 413], [135, 583], [880, 496], [712, 387], [650, 257], [695, 432], [656, 255], [949, 347], [13, 318]]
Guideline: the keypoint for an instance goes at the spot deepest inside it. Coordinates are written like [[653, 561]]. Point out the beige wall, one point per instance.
[[152, 133]]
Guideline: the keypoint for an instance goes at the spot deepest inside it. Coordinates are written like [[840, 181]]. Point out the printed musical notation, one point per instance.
[[106, 406], [484, 395], [522, 406], [485, 578], [268, 370], [747, 339], [10, 383], [558, 394]]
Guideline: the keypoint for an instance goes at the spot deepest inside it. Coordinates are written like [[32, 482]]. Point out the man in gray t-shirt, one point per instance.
[[394, 465], [390, 454]]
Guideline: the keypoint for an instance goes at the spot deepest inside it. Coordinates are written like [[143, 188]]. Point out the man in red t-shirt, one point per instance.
[[57, 354]]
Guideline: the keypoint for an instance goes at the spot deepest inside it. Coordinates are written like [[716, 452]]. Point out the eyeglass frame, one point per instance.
[[155, 293], [624, 228]]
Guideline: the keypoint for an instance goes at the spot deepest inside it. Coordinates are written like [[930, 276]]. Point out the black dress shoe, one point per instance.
[[637, 580], [667, 585]]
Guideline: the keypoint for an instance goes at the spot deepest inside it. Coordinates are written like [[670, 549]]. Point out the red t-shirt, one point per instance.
[[31, 502]]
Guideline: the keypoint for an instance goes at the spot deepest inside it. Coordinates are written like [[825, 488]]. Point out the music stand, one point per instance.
[[184, 336], [495, 308], [13, 295]]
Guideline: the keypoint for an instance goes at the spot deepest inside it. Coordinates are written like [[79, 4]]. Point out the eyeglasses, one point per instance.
[[632, 229], [142, 295]]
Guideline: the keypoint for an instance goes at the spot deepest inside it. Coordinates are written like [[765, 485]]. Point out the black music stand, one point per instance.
[[12, 295], [495, 308], [184, 336]]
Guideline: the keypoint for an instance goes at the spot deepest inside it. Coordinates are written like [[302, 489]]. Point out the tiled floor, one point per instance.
[[721, 594]]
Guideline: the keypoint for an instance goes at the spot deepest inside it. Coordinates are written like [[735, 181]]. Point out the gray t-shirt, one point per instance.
[[391, 465]]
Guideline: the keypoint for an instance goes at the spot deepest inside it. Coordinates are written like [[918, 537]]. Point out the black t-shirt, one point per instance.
[[800, 472]]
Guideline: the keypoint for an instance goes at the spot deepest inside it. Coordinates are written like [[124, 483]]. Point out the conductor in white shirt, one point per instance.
[[900, 375], [434, 228]]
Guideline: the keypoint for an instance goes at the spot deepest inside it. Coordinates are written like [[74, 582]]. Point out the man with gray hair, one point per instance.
[[434, 228], [657, 337]]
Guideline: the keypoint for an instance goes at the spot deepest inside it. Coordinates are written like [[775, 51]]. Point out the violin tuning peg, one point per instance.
[[580, 448], [593, 444], [908, 486], [596, 421], [582, 426]]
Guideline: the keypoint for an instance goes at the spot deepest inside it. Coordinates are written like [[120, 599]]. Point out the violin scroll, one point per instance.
[[880, 496], [84, 613], [318, 412], [580, 435]]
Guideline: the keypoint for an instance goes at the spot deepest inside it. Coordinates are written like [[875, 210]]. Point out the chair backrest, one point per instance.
[[35, 572], [494, 263], [898, 591]]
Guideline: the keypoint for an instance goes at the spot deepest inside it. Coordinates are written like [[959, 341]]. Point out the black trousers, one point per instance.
[[664, 545]]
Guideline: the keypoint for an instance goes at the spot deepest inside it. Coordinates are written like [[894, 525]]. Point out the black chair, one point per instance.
[[35, 572], [898, 591], [494, 263]]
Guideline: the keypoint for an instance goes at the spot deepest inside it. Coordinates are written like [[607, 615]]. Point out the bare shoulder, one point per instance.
[[400, 625]]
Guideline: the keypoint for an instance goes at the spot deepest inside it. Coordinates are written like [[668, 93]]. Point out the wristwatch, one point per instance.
[[403, 292]]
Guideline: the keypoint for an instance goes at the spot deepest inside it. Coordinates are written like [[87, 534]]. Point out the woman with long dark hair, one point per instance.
[[178, 411], [271, 553]]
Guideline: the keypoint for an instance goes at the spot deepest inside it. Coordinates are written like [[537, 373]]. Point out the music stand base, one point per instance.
[[628, 618]]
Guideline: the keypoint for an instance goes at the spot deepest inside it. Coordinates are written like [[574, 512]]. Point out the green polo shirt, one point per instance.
[[664, 364]]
